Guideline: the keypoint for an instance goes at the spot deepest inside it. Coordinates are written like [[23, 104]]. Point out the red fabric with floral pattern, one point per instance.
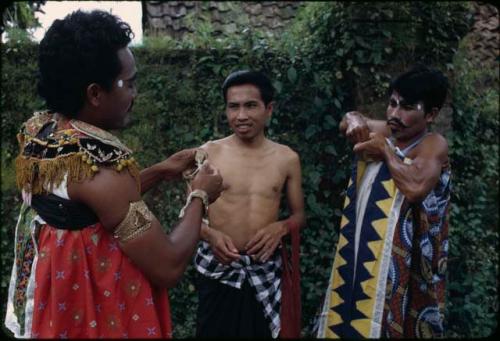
[[86, 287]]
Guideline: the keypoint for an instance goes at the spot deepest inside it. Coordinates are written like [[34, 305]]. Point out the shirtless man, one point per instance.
[[239, 285]]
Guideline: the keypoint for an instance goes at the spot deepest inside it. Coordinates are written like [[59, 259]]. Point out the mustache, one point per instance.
[[397, 121]]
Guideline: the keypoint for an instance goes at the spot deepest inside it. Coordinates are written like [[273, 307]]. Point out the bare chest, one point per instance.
[[250, 175]]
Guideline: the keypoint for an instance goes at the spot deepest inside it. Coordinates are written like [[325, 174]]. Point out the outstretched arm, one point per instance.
[[168, 169], [162, 258]]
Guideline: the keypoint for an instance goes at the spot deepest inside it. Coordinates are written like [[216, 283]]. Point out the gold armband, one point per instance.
[[137, 221]]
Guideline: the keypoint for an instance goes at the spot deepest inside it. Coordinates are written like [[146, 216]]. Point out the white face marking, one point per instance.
[[120, 83]]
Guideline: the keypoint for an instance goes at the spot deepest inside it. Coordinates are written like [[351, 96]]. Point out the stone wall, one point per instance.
[[484, 33], [174, 18]]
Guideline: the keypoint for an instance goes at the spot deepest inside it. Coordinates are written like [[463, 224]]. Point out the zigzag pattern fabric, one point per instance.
[[388, 274], [357, 289]]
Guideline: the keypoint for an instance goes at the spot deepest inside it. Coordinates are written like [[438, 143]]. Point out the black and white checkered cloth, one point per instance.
[[264, 277]]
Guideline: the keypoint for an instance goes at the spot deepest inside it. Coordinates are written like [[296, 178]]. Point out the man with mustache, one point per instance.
[[91, 260], [388, 275], [242, 274]]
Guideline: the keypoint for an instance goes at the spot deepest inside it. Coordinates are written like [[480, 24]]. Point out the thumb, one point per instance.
[[206, 167], [230, 245], [359, 146]]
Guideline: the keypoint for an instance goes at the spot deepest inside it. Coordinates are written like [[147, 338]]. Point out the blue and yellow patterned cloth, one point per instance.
[[388, 275]]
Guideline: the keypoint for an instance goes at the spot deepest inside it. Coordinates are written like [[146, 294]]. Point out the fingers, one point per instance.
[[255, 244], [222, 258], [358, 134], [360, 146], [232, 250], [267, 251], [225, 255], [223, 248]]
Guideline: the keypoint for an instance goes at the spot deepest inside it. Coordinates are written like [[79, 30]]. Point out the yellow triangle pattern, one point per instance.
[[385, 205], [380, 226], [330, 335], [366, 307], [344, 221], [369, 288], [346, 201], [342, 242], [362, 326], [390, 187], [336, 300], [376, 247], [339, 280], [334, 318], [370, 266]]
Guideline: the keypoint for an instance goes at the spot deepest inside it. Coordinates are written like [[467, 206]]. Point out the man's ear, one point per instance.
[[269, 109], [431, 115], [94, 94]]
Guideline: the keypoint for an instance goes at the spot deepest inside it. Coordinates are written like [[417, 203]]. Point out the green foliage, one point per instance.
[[18, 19], [367, 43], [473, 263], [331, 60]]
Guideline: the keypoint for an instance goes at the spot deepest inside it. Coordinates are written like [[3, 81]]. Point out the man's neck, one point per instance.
[[88, 116], [406, 143], [255, 143]]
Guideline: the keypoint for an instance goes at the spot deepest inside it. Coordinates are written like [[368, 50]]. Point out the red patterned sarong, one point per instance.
[[85, 287]]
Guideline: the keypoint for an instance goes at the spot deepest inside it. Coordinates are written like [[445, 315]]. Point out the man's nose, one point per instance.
[[394, 112], [242, 114]]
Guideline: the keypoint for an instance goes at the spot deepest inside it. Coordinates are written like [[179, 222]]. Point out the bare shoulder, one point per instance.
[[286, 153], [433, 146], [106, 184], [215, 145], [435, 141]]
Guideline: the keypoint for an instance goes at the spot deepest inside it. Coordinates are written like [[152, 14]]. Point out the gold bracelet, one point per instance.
[[137, 221]]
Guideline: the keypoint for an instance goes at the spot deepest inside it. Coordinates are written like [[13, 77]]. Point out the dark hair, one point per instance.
[[250, 77], [424, 84], [76, 51]]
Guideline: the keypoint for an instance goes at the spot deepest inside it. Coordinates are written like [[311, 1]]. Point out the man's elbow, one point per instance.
[[166, 279]]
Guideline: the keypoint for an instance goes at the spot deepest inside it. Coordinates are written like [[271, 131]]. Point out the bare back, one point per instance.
[[253, 182]]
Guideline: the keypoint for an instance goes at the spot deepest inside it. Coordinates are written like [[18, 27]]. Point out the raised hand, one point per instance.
[[178, 163], [209, 180], [355, 127], [373, 149]]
